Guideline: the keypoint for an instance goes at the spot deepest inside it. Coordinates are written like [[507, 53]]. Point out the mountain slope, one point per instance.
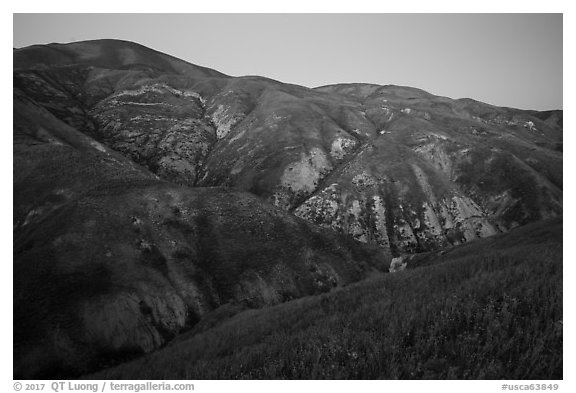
[[153, 196], [107, 54], [111, 262], [490, 309], [388, 165]]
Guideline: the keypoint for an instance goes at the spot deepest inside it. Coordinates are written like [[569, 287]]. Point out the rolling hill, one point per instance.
[[154, 198]]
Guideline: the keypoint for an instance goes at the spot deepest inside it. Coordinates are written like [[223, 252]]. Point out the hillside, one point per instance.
[[111, 262], [154, 200], [389, 165], [488, 310]]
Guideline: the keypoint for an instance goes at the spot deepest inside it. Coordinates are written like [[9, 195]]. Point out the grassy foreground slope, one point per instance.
[[493, 312]]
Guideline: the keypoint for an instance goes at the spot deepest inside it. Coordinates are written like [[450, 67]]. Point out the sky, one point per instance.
[[512, 60]]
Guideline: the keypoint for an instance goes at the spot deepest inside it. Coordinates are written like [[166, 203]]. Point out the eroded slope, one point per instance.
[[111, 262], [388, 165]]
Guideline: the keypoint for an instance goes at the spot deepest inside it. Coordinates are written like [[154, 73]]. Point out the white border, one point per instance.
[[245, 6]]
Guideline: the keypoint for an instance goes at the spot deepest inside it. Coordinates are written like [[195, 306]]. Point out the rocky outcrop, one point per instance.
[[398, 264], [158, 126]]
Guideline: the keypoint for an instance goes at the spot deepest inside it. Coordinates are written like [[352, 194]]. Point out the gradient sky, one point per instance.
[[510, 60]]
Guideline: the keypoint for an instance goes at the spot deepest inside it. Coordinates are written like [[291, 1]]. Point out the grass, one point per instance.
[[489, 314]]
